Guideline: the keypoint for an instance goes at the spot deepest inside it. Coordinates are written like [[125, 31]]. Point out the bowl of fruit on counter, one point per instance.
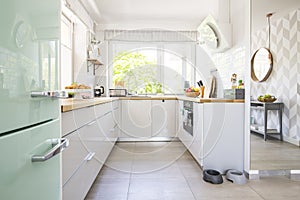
[[192, 92], [266, 98]]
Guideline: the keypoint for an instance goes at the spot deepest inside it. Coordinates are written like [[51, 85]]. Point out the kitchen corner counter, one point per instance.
[[73, 104]]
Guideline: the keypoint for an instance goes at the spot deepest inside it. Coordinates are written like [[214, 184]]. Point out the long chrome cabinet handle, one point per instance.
[[58, 146], [51, 94], [89, 156]]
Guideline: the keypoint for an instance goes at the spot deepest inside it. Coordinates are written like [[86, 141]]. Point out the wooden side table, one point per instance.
[[265, 107]]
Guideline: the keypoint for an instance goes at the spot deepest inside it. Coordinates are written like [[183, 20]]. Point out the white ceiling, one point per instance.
[[169, 14]]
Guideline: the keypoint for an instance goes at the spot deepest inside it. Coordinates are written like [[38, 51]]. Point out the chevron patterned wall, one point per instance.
[[284, 81]]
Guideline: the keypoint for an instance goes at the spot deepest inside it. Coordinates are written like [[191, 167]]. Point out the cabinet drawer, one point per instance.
[[116, 121], [107, 124], [68, 123], [95, 140], [84, 116], [75, 119], [73, 156], [79, 184], [115, 104], [102, 109]]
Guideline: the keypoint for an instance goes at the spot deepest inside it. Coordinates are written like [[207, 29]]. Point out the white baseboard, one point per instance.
[[150, 139], [253, 174], [292, 141]]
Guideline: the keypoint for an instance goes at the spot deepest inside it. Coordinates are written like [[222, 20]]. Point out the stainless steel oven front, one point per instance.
[[188, 116]]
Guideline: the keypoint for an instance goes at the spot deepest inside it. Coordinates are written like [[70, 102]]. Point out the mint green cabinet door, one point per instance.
[[29, 61], [20, 178]]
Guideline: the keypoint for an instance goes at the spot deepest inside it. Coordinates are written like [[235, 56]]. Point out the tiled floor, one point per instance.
[[273, 154], [164, 170]]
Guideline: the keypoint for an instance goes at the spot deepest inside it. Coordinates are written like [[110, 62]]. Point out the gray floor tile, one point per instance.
[[204, 190], [166, 171], [109, 172], [276, 187], [162, 186]]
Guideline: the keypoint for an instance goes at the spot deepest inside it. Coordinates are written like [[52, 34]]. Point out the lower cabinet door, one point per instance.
[[20, 177], [79, 184], [163, 113], [197, 142], [73, 156], [95, 138], [136, 119]]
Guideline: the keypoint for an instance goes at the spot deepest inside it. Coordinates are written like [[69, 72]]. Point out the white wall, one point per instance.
[[80, 53], [235, 60], [83, 24]]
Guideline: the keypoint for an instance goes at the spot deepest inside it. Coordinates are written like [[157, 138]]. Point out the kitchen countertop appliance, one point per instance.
[[30, 138], [98, 91], [117, 92]]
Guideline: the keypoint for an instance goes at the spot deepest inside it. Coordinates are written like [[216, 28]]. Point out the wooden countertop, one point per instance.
[[73, 104]]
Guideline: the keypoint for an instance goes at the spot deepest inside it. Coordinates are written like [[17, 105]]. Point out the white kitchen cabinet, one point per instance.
[[193, 142], [196, 144], [73, 156], [218, 132], [79, 168], [79, 185], [136, 119], [184, 136], [223, 138], [91, 141], [180, 120], [75, 119], [163, 113]]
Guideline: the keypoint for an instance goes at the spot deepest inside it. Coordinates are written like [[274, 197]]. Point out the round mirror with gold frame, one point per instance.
[[261, 65]]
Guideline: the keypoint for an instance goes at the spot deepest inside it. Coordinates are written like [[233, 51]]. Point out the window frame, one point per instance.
[[160, 46]]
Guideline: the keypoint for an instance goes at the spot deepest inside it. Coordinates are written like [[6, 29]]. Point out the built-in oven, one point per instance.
[[188, 116]]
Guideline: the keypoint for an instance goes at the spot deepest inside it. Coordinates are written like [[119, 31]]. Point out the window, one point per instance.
[[152, 68], [66, 51]]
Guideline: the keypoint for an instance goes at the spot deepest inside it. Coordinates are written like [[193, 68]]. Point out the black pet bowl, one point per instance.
[[212, 176]]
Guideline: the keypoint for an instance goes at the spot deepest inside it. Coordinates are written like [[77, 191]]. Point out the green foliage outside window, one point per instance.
[[137, 72]]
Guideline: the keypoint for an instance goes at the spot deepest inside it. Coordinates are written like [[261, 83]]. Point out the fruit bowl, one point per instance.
[[266, 99], [192, 94]]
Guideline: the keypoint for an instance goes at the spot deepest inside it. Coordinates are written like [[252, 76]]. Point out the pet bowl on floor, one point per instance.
[[212, 176], [236, 176]]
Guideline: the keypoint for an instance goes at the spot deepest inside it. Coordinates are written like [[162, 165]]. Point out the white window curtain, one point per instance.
[[150, 35]]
